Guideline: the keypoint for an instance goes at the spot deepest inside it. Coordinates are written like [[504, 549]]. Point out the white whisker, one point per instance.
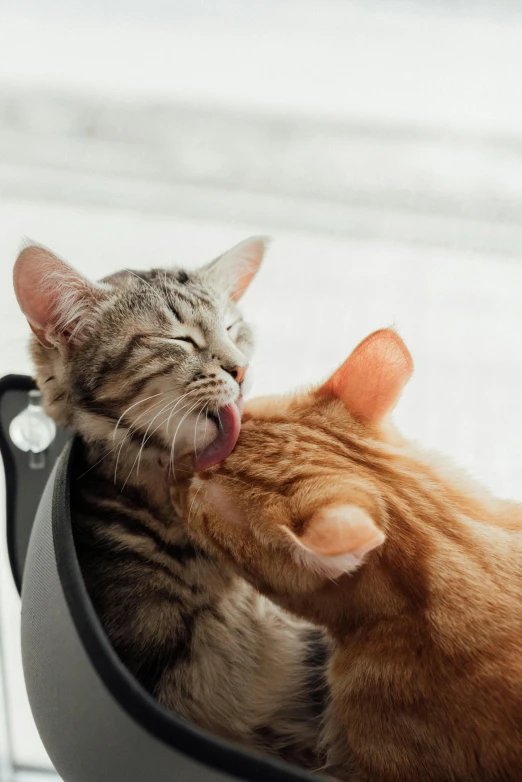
[[192, 504], [196, 425], [133, 428], [175, 435], [145, 439], [120, 444], [139, 402], [182, 398], [161, 423], [98, 462], [165, 286]]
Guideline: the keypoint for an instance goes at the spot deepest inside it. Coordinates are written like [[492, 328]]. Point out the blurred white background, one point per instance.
[[378, 143]]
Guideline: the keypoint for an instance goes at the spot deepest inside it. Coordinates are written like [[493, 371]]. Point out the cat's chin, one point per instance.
[[228, 424]]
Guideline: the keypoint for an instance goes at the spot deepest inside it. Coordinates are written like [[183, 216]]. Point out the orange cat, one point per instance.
[[415, 571]]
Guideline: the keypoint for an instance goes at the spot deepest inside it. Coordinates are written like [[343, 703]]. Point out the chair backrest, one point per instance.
[[95, 720], [24, 485]]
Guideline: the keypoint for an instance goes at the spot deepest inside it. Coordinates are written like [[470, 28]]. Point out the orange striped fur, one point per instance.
[[415, 570]]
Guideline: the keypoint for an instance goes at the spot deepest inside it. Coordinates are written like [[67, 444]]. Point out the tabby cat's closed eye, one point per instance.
[[189, 340], [145, 406]]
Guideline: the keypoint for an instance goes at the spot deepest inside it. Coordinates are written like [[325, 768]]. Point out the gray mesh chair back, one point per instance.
[[95, 720]]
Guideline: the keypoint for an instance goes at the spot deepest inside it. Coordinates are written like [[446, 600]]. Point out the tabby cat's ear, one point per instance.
[[234, 270], [372, 378], [336, 539], [56, 300]]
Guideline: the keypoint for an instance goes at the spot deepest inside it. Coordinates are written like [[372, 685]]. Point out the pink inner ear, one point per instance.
[[372, 378], [251, 252], [236, 268], [51, 294], [33, 266], [341, 529]]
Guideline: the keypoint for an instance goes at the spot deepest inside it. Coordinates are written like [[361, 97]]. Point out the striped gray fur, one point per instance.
[[139, 366]]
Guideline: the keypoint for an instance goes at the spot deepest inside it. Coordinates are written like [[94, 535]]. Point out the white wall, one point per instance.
[[441, 84]]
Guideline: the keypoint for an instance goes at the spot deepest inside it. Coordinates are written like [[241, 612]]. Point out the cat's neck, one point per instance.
[[148, 472]]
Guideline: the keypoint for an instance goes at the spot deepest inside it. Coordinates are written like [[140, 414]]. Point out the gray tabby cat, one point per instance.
[[147, 367]]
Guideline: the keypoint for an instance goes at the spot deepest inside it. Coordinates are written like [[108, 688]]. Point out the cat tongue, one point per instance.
[[223, 445]]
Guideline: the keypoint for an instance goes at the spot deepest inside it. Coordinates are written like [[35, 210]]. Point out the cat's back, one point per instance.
[[446, 668], [487, 560]]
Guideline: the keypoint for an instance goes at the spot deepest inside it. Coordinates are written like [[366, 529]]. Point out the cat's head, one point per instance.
[[300, 501], [156, 358]]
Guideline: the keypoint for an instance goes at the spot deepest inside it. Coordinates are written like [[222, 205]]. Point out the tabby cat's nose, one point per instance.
[[238, 373]]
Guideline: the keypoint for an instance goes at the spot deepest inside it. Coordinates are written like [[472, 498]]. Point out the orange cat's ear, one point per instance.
[[337, 538], [371, 380]]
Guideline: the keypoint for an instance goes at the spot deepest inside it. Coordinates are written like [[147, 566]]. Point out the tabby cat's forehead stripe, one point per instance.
[[119, 360], [175, 311], [191, 296], [159, 297]]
